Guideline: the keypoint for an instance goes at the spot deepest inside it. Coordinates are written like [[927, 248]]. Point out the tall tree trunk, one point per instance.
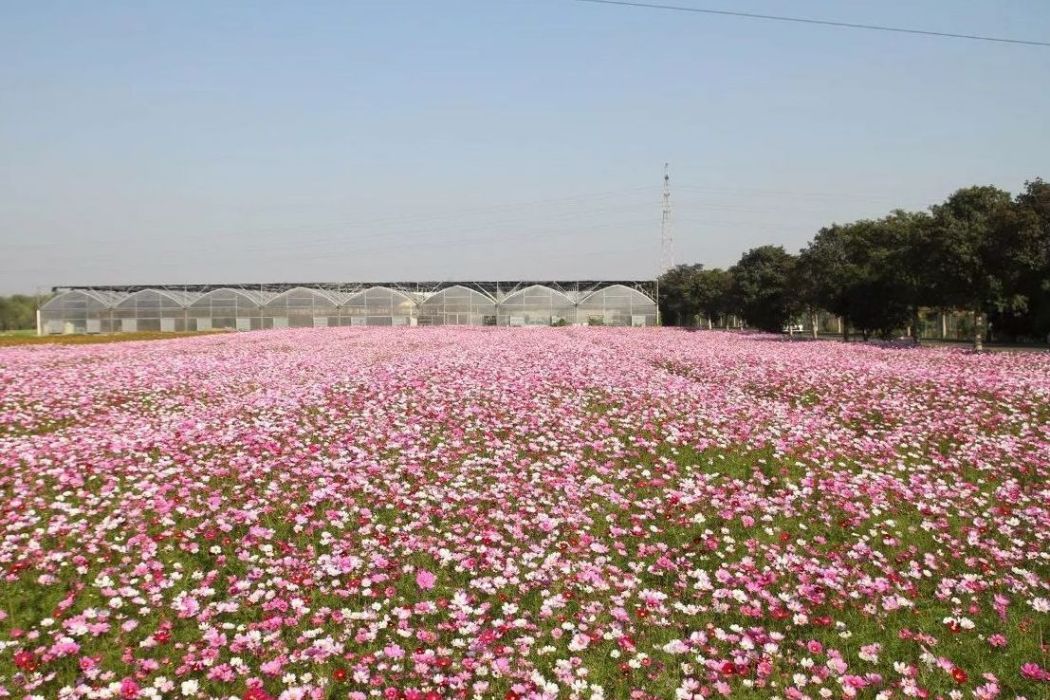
[[813, 324], [915, 321], [978, 332], [944, 325]]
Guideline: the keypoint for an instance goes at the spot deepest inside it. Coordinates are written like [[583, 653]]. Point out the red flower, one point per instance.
[[339, 674], [256, 693], [728, 668], [25, 661], [161, 636], [959, 675]]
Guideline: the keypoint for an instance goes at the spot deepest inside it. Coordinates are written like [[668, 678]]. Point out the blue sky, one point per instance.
[[187, 142]]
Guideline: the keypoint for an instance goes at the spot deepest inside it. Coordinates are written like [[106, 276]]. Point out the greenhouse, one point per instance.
[[303, 307], [536, 305], [261, 306], [153, 310], [380, 306], [229, 309], [616, 305], [458, 306], [80, 311]]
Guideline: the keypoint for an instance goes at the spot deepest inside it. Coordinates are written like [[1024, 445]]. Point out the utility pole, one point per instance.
[[666, 237], [39, 321]]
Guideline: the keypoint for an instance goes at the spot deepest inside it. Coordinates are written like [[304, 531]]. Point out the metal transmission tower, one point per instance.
[[666, 237]]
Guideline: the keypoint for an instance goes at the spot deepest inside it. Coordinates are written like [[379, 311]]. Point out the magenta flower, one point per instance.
[[425, 579], [129, 689]]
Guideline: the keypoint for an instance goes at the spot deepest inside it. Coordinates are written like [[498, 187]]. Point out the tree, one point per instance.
[[854, 271], [678, 304], [761, 287], [959, 250], [1020, 258], [17, 312], [712, 292], [822, 274], [980, 250], [905, 266]]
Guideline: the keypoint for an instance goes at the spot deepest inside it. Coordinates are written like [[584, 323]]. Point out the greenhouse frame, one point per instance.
[[245, 307]]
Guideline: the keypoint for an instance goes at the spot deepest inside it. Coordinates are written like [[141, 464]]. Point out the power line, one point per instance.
[[821, 22]]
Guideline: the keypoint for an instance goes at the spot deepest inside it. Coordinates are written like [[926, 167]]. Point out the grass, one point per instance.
[[21, 333], [19, 338]]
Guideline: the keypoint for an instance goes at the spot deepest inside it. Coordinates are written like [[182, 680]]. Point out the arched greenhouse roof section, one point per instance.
[[474, 294], [396, 292], [102, 299], [619, 289], [252, 296], [175, 297], [325, 296], [533, 287]]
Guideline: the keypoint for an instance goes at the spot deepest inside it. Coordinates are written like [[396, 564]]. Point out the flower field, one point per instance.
[[522, 513]]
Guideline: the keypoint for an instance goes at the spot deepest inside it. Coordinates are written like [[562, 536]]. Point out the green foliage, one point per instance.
[[713, 290], [18, 312], [852, 271], [677, 304], [1020, 258], [691, 291], [761, 289], [958, 249], [979, 251]]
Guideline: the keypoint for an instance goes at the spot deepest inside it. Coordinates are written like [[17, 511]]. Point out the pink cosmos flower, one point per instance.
[[836, 665], [129, 689], [425, 579]]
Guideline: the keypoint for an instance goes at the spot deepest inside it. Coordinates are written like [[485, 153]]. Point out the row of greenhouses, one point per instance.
[[90, 310]]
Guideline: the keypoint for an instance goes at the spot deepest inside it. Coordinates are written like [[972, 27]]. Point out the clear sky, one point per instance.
[[168, 142]]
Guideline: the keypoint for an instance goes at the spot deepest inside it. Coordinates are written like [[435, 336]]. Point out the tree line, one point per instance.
[[981, 251], [18, 312]]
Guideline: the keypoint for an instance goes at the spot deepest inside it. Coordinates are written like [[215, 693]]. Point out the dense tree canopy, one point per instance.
[[17, 312], [980, 251], [850, 272], [761, 287], [691, 292]]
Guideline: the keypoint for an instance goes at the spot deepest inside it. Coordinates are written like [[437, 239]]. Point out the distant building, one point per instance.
[[115, 309]]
